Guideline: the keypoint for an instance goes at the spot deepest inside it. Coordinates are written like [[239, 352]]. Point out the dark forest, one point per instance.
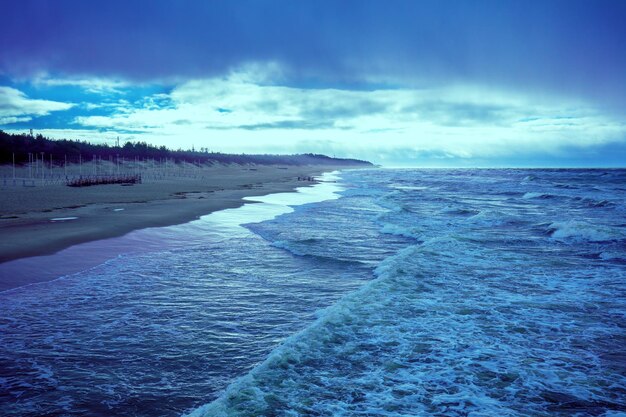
[[21, 145]]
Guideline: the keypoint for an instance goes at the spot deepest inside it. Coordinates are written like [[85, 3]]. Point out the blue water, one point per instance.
[[418, 292]]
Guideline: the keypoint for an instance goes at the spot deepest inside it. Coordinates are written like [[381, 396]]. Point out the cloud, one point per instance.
[[247, 111], [89, 135], [16, 107], [552, 46], [12, 120], [455, 123], [91, 85]]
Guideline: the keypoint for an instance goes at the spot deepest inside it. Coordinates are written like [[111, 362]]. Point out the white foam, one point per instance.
[[530, 195], [612, 256], [490, 218], [579, 231], [408, 187], [393, 229], [267, 207]]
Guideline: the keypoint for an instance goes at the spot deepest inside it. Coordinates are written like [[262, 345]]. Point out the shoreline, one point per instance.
[[35, 233]]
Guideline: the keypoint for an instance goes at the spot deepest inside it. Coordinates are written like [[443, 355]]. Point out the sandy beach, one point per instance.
[[51, 216]]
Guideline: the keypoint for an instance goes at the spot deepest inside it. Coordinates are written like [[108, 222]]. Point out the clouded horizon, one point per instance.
[[429, 83]]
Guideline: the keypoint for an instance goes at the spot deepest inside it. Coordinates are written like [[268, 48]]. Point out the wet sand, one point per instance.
[[27, 214]]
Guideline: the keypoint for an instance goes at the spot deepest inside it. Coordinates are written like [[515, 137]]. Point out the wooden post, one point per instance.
[[13, 166], [65, 158]]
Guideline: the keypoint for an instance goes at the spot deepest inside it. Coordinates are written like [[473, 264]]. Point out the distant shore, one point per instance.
[[48, 217]]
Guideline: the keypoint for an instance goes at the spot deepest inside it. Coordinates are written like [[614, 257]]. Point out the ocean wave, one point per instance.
[[409, 187], [439, 332], [278, 385], [393, 229], [591, 202], [288, 246], [580, 231], [458, 211], [299, 248], [510, 193], [566, 186], [543, 196], [613, 256], [251, 395], [393, 203], [492, 218]]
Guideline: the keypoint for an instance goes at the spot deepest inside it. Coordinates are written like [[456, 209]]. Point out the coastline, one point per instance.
[[102, 212]]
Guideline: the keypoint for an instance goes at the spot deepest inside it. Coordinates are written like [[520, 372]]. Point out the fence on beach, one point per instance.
[[104, 179], [41, 172]]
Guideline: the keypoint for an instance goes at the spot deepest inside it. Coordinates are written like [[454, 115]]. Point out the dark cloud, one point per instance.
[[329, 110], [464, 113], [288, 124], [564, 46]]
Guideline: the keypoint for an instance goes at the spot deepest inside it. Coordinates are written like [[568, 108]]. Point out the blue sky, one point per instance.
[[415, 83]]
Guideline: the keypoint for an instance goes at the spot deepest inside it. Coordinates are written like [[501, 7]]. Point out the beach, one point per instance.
[[50, 216]]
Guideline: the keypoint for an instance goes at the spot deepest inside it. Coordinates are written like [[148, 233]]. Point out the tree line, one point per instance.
[[19, 146]]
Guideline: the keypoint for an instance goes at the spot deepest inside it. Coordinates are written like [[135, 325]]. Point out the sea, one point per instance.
[[377, 292]]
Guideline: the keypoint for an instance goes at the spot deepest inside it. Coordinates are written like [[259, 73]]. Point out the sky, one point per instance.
[[400, 83]]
